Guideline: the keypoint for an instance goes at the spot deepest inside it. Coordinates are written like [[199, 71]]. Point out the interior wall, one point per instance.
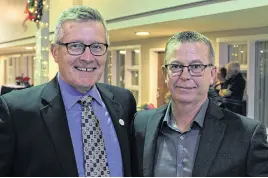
[[126, 8], [143, 12], [53, 67], [15, 15], [2, 75]]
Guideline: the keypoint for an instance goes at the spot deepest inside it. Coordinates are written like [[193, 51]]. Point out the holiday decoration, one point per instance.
[[147, 106], [20, 80], [34, 11]]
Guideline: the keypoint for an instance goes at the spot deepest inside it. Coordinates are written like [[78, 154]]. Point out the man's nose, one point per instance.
[[87, 55], [185, 74]]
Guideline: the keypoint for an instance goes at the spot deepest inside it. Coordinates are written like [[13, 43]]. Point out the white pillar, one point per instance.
[[42, 48], [251, 78]]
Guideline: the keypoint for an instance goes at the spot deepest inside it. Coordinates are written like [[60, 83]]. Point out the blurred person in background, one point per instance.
[[233, 90], [221, 78], [235, 83]]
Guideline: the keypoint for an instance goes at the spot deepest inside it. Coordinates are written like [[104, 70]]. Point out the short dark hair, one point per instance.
[[192, 37], [223, 72]]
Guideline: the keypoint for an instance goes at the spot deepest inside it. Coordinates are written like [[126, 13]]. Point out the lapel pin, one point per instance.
[[121, 122]]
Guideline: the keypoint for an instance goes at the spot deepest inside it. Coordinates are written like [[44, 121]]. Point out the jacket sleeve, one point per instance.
[[257, 162], [6, 140]]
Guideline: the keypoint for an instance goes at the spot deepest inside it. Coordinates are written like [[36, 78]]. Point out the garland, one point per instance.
[[34, 11]]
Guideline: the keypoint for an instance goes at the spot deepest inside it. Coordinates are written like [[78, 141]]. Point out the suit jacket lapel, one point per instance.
[[211, 137], [150, 142], [116, 112], [54, 115]]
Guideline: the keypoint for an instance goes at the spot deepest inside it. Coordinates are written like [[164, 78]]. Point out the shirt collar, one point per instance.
[[71, 96], [199, 118]]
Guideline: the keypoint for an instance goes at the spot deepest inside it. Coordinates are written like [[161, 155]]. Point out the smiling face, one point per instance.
[[186, 88], [84, 70]]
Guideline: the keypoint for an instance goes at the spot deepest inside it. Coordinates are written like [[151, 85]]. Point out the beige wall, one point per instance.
[[53, 67], [117, 17], [1, 71], [126, 7], [14, 17]]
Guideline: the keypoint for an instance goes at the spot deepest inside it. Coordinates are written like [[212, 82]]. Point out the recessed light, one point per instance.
[[142, 33], [28, 48], [122, 52]]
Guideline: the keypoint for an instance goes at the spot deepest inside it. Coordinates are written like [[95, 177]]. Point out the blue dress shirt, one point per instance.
[[74, 110]]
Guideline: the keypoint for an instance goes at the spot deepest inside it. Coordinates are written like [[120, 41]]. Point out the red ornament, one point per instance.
[[33, 11], [26, 79]]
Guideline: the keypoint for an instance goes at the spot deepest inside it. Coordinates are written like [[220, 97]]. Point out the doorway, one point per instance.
[[162, 89]]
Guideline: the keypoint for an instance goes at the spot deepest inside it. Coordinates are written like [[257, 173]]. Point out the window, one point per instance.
[[120, 54], [261, 82], [238, 52], [108, 69], [123, 69]]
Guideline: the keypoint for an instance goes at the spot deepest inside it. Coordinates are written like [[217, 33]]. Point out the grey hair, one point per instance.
[[192, 37], [234, 66], [78, 13]]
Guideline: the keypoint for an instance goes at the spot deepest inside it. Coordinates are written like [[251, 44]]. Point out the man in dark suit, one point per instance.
[[235, 86], [71, 126], [191, 135]]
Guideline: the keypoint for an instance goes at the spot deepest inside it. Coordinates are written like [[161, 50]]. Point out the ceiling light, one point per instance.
[[142, 33], [137, 51], [122, 52], [28, 48]]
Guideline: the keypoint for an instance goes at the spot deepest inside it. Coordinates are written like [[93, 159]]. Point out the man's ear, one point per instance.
[[213, 75], [54, 52], [164, 71]]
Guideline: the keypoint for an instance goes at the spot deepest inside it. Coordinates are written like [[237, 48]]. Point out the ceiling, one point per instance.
[[249, 18]]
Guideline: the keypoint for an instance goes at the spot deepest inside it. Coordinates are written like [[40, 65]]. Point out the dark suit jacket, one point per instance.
[[5, 89], [230, 144], [236, 85], [34, 134]]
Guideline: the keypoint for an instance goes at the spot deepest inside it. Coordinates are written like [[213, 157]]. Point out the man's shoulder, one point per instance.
[[23, 97], [118, 92], [238, 121], [239, 78], [112, 88], [142, 117]]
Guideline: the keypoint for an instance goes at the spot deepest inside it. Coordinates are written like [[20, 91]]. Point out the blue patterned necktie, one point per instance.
[[95, 156]]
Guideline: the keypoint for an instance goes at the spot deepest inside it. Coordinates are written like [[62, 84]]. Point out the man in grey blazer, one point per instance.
[[191, 135]]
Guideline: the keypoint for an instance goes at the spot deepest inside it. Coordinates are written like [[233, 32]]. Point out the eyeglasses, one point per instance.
[[76, 49], [195, 70]]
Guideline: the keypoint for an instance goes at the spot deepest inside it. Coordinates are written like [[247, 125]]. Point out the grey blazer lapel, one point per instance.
[[150, 142], [54, 115], [211, 137]]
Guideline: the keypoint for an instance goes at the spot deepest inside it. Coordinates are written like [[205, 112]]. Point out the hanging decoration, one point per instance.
[[34, 12]]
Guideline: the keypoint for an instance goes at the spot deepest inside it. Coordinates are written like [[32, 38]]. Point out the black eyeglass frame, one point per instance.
[[188, 68], [85, 46]]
